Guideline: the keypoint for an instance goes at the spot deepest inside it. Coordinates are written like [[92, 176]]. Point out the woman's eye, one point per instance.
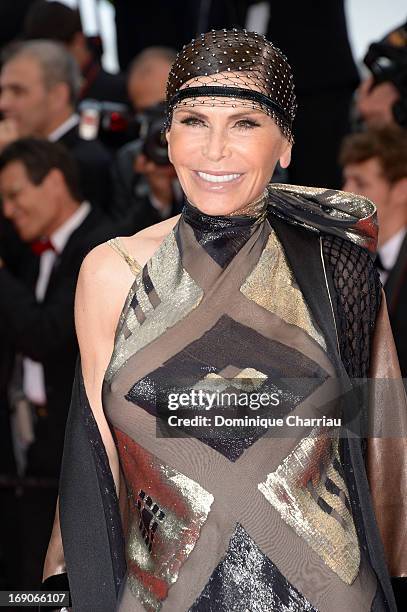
[[247, 124], [192, 121]]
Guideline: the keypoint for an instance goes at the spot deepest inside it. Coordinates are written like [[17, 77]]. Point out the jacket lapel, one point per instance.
[[69, 252]]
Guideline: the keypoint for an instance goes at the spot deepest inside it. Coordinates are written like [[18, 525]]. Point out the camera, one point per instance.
[[151, 134], [387, 61]]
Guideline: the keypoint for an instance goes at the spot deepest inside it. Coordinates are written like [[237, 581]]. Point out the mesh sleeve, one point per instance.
[[357, 300]]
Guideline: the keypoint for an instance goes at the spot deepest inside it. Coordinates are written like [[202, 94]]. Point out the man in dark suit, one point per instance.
[[375, 166], [40, 82], [41, 196]]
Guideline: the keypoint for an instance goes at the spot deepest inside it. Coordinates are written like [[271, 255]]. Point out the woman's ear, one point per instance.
[[285, 156], [168, 138]]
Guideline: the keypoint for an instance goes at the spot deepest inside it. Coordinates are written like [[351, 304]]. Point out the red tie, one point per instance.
[[39, 247]]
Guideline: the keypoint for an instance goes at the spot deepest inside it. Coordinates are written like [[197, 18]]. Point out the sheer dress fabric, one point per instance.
[[230, 522]]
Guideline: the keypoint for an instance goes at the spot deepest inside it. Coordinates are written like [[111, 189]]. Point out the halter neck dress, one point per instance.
[[232, 520]]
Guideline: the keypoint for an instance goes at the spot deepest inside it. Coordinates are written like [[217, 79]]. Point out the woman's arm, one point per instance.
[[103, 283], [386, 457]]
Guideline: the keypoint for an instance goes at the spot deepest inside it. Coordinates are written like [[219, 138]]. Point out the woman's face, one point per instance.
[[224, 156]]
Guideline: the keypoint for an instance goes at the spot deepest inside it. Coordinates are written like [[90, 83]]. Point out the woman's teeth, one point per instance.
[[218, 178]]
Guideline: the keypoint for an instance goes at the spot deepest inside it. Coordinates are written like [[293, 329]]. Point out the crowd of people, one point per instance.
[[81, 161]]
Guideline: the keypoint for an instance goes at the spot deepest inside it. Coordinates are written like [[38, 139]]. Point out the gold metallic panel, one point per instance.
[[287, 302], [179, 295], [166, 511], [299, 490]]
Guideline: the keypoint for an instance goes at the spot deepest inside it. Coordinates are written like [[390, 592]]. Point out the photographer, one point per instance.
[[382, 97], [145, 186]]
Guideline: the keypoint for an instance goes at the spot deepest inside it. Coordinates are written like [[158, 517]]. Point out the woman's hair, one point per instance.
[[388, 144], [245, 69]]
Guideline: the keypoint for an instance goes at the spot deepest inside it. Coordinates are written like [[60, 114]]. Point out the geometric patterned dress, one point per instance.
[[236, 518]]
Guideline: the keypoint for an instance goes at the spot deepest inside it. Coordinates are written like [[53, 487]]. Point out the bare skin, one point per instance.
[[103, 285]]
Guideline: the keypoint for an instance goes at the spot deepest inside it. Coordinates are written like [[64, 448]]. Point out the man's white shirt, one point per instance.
[[33, 372], [389, 252]]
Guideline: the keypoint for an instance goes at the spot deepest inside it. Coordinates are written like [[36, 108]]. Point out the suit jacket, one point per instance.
[[94, 162], [102, 85], [395, 289], [45, 332]]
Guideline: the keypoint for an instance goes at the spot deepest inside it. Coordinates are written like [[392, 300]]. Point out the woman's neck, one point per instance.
[[255, 208]]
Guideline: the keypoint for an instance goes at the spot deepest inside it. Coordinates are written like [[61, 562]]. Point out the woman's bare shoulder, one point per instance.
[[142, 245], [102, 265], [103, 284], [105, 274]]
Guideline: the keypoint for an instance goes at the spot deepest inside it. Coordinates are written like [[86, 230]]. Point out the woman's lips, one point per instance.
[[215, 181], [218, 178]]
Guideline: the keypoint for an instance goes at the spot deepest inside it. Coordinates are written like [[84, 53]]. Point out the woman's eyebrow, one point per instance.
[[238, 115], [245, 113], [193, 112]]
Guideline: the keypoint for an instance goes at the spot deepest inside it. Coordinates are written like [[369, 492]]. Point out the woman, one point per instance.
[[274, 285]]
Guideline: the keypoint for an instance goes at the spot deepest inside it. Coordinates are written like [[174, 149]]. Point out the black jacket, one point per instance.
[[102, 85], [94, 166], [45, 332], [395, 289]]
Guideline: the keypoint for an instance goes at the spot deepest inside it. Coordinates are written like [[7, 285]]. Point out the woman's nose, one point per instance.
[[215, 147]]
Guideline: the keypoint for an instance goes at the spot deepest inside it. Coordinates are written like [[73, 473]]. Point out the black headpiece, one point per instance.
[[234, 68]]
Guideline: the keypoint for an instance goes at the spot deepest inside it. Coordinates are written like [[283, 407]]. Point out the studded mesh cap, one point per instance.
[[234, 68]]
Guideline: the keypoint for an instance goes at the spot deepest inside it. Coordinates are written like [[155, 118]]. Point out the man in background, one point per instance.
[[143, 189], [41, 196], [39, 85], [147, 76], [375, 165]]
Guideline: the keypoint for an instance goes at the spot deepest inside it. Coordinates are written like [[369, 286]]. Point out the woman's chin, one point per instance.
[[211, 206], [217, 204]]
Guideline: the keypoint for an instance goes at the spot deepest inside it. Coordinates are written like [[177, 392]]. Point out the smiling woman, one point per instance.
[[225, 157], [253, 286]]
